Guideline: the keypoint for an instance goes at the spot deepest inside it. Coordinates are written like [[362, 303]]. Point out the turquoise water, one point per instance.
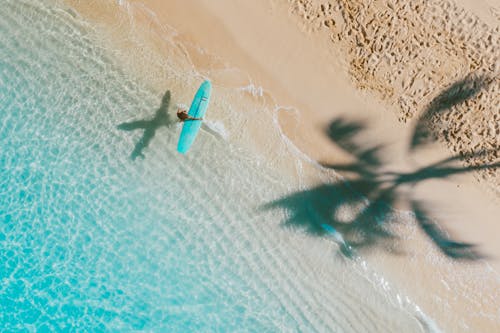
[[92, 240]]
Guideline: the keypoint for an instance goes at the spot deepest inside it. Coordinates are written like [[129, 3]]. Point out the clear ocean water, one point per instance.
[[93, 240]]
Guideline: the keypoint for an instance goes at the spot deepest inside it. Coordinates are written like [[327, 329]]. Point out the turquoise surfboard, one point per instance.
[[190, 128]]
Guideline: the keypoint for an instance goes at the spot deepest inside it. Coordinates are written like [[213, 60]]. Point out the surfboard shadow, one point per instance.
[[161, 118]]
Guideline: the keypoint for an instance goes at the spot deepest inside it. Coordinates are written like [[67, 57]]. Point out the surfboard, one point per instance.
[[198, 108]]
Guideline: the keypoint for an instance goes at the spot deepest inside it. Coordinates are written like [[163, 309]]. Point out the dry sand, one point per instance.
[[385, 64]]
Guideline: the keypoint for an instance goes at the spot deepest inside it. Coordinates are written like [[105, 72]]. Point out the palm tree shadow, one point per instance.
[[358, 213], [161, 118]]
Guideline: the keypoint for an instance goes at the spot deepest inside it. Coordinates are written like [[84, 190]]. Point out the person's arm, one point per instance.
[[192, 118]]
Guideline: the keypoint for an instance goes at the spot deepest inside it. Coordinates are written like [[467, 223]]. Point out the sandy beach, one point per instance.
[[408, 86]]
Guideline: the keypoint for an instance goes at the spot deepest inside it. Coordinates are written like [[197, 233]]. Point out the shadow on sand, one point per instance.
[[161, 118], [456, 94], [358, 213]]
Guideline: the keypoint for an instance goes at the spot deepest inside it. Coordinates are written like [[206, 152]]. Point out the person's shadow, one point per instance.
[[161, 118]]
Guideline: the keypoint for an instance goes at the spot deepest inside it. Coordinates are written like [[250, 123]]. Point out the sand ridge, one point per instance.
[[409, 52]]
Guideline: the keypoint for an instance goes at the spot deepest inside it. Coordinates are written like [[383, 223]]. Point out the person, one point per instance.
[[183, 115]]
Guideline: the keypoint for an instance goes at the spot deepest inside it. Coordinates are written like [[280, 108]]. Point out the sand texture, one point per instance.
[[433, 60]]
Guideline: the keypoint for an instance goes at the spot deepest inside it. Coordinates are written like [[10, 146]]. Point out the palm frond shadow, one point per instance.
[[358, 214], [161, 118], [456, 94], [451, 248], [442, 169]]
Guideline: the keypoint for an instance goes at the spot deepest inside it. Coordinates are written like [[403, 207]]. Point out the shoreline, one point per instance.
[[311, 56]]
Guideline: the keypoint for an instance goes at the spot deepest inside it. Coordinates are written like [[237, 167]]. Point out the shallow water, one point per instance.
[[93, 240]]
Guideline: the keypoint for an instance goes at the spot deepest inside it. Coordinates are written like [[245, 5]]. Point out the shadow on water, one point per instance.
[[161, 118], [358, 213]]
